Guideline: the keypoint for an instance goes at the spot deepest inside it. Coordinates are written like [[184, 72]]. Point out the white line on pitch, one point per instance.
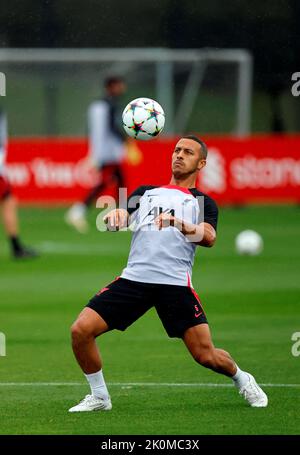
[[73, 248], [133, 384]]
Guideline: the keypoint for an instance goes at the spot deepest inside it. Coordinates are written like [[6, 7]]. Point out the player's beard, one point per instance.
[[182, 174]]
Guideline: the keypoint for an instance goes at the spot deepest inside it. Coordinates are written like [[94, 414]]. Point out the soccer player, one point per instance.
[[170, 221], [106, 148], [8, 204]]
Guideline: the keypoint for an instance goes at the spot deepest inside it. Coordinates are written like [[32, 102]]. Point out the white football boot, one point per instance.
[[91, 403], [75, 217], [255, 396]]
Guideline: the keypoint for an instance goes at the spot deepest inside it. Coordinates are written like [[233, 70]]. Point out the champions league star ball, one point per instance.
[[249, 243], [143, 119]]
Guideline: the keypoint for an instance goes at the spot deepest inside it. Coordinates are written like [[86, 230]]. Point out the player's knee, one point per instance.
[[79, 331]]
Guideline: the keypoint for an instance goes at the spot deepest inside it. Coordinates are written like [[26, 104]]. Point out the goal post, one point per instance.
[[177, 78]]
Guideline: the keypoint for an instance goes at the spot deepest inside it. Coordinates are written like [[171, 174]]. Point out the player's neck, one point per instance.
[[188, 182]]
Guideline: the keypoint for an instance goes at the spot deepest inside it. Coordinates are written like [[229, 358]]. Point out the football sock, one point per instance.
[[78, 209], [15, 244], [97, 384], [240, 378]]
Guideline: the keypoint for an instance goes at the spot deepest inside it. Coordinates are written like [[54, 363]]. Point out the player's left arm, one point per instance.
[[204, 233]]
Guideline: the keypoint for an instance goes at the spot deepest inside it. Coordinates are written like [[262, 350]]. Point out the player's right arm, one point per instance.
[[116, 219], [119, 218]]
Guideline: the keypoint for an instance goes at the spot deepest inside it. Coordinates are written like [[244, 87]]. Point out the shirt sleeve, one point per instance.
[[133, 199], [211, 212]]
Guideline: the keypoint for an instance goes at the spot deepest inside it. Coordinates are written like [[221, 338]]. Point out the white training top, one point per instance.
[[165, 256], [105, 145], [3, 141]]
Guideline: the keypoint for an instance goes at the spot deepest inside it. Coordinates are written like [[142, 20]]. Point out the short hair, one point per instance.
[[110, 80], [204, 150]]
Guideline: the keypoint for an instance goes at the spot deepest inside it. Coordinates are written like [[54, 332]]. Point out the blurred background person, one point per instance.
[[8, 203], [106, 148]]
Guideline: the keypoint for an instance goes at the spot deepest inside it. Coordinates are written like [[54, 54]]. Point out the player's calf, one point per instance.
[[204, 357], [215, 360], [199, 343]]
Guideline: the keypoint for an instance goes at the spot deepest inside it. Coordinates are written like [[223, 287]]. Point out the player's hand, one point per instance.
[[165, 220], [116, 219]]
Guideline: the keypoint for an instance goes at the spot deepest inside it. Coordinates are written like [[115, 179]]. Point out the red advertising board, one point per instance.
[[256, 169]]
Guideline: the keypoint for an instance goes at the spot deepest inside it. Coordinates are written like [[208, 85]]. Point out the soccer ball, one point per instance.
[[143, 119], [249, 243]]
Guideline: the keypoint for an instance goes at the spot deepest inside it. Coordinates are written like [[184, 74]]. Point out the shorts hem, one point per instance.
[[105, 319], [188, 327]]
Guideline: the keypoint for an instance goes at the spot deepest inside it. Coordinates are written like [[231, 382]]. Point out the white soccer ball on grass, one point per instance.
[[249, 243]]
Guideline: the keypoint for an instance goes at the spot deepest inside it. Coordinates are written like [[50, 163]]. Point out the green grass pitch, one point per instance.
[[252, 304]]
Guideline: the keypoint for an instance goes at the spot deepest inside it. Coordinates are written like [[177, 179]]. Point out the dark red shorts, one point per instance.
[[123, 301], [5, 188]]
